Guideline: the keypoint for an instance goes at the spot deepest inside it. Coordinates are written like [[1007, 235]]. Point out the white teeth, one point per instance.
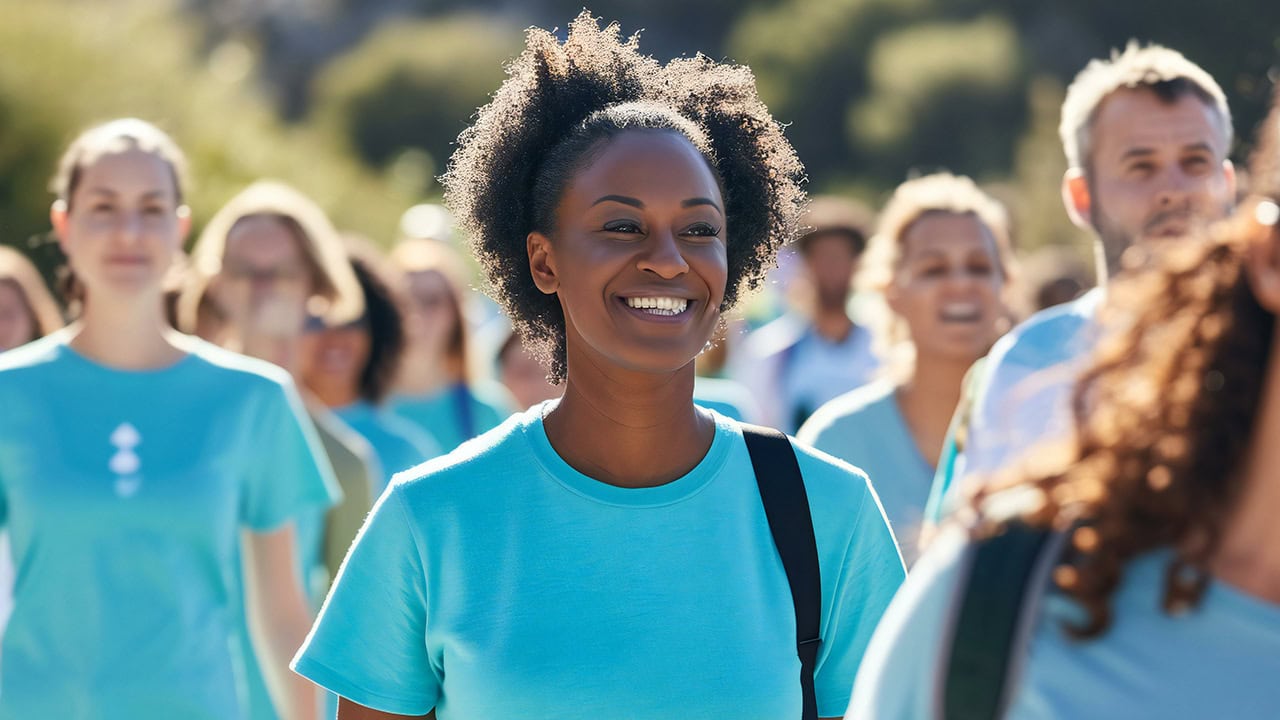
[[961, 311], [659, 305]]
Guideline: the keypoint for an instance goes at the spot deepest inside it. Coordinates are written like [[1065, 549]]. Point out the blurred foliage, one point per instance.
[[374, 92], [69, 64], [406, 88]]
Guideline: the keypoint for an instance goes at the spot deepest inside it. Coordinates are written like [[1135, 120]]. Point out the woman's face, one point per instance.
[[16, 324], [332, 359], [433, 314], [947, 287], [265, 280], [123, 226], [638, 260]]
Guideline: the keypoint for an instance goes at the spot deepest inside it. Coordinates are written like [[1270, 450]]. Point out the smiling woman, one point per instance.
[[608, 554], [941, 260]]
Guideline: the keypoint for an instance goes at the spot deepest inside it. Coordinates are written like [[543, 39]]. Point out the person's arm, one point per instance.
[[348, 710], [278, 618]]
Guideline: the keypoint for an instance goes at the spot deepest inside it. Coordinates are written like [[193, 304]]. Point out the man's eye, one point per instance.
[[622, 226]]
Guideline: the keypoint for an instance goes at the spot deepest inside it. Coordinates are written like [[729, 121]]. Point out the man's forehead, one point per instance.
[[1131, 119]]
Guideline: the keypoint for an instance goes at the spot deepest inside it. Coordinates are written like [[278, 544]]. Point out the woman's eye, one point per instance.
[[703, 230], [933, 271], [102, 208], [622, 226], [980, 270]]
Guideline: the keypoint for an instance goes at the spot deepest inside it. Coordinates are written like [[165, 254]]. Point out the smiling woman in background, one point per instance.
[[941, 260], [608, 555]]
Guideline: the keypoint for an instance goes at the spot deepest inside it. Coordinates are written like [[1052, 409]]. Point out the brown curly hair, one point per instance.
[[1162, 415], [559, 102]]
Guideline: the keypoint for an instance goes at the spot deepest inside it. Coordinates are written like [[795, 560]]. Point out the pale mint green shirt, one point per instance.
[[866, 429]]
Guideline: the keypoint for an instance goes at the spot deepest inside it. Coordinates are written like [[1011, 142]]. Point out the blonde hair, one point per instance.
[[1160, 69], [939, 193], [335, 281], [18, 271], [417, 255]]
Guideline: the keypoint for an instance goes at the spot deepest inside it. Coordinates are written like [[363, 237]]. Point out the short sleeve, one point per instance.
[[369, 642], [287, 470], [901, 673], [869, 576]]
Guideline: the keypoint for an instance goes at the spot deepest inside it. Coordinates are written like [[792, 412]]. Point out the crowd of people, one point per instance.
[[286, 474]]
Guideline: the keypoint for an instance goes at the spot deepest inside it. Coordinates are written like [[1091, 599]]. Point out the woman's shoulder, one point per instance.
[[854, 417], [476, 467], [36, 356], [232, 367]]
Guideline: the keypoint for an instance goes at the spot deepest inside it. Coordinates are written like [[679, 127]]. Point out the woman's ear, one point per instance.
[[58, 219], [542, 263], [1263, 260]]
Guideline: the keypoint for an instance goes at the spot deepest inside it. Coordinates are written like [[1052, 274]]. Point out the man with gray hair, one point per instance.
[[1146, 135]]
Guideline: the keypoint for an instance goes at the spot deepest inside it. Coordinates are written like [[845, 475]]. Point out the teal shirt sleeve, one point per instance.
[[902, 674], [287, 470], [864, 579], [369, 643]]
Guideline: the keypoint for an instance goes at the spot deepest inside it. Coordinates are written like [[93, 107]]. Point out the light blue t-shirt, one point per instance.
[[398, 444], [1220, 660], [499, 582], [457, 413], [124, 493], [1024, 393], [866, 429]]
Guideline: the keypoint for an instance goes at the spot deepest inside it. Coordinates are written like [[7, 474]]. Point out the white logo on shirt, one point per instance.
[[126, 463]]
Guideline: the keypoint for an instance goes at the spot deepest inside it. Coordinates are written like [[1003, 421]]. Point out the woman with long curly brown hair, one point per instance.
[[1160, 568]]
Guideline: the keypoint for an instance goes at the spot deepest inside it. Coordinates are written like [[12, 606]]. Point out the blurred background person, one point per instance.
[[350, 367], [27, 312], [1146, 134], [521, 373], [27, 309], [1053, 276], [805, 358], [434, 388], [1140, 562], [712, 388], [264, 261], [941, 260], [131, 459]]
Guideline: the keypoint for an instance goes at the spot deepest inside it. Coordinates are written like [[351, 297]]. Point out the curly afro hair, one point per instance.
[[560, 102]]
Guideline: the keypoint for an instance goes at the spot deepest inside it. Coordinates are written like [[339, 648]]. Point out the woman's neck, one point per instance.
[[334, 395], [928, 399], [1249, 551], [425, 373], [629, 429], [130, 335]]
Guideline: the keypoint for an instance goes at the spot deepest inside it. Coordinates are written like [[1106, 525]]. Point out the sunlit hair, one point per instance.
[[111, 138], [19, 273], [437, 256], [1159, 69], [1163, 415], [384, 312], [558, 104], [335, 283], [936, 194]]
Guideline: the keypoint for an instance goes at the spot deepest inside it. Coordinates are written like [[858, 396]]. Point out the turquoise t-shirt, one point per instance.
[[398, 444], [866, 429], [457, 413], [1220, 660], [124, 493], [499, 582]]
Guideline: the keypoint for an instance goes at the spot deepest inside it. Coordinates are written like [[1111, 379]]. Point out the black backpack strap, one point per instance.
[[786, 505], [1008, 575]]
